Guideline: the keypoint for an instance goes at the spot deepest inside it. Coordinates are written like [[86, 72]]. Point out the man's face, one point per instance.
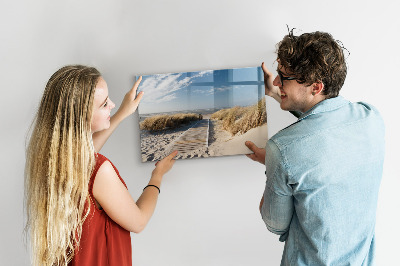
[[294, 96]]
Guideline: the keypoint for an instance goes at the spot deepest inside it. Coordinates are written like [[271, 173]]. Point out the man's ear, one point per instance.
[[317, 88]]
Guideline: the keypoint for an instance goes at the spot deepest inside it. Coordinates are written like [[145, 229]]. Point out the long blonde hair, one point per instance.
[[59, 161]]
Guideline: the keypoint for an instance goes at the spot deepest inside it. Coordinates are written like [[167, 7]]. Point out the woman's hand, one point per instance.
[[270, 89], [163, 166], [131, 101], [128, 107]]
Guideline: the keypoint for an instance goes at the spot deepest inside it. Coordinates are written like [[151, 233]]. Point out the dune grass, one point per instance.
[[239, 120], [161, 122]]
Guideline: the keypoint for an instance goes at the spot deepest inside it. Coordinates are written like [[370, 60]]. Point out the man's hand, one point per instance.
[[270, 89], [258, 154]]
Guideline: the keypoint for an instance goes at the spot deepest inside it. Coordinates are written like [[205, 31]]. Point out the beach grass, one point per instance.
[[161, 122], [239, 120]]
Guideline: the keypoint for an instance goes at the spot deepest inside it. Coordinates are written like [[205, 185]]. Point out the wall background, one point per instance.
[[208, 208]]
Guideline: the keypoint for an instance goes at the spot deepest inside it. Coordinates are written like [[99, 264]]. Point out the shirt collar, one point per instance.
[[325, 106]]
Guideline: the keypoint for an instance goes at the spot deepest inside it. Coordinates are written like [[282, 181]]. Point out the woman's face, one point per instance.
[[102, 106]]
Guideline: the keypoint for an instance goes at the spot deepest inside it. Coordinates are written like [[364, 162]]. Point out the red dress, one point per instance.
[[103, 241]]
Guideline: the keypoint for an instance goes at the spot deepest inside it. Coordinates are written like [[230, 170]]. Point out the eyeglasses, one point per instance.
[[282, 78]]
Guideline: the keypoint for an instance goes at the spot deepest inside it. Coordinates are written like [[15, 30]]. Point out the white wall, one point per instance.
[[208, 208]]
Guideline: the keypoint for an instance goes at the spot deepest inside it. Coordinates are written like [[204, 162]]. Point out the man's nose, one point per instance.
[[277, 81]]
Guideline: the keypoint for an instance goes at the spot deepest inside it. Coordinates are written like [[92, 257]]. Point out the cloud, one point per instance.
[[166, 98], [203, 73], [222, 89], [164, 87], [205, 92]]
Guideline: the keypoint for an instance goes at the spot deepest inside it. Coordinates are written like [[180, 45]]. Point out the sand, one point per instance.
[[226, 144], [156, 146]]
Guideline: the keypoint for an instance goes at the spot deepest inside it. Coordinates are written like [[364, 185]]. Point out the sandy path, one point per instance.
[[220, 142]]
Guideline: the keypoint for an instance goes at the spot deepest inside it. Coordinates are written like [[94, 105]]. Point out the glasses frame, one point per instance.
[[282, 78]]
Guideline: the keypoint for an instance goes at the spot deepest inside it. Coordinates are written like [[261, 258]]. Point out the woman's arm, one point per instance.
[[128, 107], [116, 201]]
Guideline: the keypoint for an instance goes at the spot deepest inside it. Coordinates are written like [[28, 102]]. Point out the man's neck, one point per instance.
[[316, 100]]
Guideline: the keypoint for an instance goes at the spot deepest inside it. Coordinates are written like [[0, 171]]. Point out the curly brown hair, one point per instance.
[[314, 57]]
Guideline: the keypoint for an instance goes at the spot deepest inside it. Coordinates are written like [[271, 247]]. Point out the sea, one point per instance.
[[195, 111]]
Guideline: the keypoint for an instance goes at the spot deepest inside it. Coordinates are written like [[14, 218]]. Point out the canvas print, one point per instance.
[[202, 114]]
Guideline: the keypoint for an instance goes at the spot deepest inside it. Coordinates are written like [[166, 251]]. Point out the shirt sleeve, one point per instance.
[[277, 209]]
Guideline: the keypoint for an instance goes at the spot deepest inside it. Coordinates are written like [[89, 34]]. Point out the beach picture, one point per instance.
[[202, 114]]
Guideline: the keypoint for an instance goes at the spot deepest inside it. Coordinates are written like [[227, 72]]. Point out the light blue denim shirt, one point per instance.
[[323, 176]]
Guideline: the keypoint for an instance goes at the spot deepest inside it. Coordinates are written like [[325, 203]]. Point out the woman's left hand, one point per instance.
[[131, 100]]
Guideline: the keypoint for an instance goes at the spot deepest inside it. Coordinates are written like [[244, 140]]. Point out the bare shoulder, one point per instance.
[[106, 180], [106, 170]]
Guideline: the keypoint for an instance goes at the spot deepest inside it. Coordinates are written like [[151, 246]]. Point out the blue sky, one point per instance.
[[200, 90]]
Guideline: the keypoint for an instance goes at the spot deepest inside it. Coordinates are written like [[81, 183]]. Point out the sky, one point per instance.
[[200, 90]]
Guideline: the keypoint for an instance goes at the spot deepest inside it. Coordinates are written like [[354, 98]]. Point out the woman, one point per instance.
[[78, 207]]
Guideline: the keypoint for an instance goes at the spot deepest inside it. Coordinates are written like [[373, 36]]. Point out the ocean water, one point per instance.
[[195, 111]]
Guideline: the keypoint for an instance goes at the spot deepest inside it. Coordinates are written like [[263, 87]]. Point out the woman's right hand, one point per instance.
[[131, 100], [163, 166], [270, 89]]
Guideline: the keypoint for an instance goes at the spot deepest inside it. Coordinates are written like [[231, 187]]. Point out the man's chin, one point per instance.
[[285, 108]]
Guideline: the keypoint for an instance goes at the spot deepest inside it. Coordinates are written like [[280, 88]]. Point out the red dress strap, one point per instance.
[[100, 159]]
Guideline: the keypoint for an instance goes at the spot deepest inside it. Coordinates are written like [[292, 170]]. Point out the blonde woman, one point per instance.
[[78, 207]]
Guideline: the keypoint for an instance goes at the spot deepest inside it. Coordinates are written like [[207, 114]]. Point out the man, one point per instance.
[[323, 171]]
